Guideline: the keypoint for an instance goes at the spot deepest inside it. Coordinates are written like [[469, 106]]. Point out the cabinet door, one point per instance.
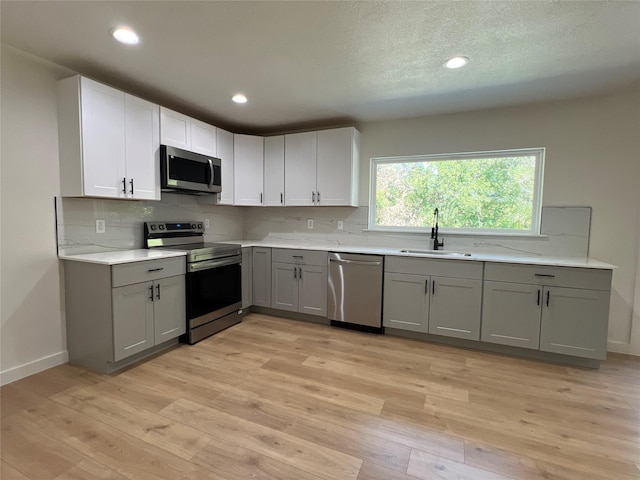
[[203, 138], [175, 129], [284, 286], [248, 156], [274, 171], [261, 276], [312, 290], [575, 322], [337, 167], [247, 278], [300, 168], [511, 314], [103, 140], [133, 329], [455, 307], [169, 308], [225, 153], [406, 302], [142, 141]]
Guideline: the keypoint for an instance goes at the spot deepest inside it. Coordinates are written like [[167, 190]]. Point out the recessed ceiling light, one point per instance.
[[456, 62], [125, 35], [239, 98]]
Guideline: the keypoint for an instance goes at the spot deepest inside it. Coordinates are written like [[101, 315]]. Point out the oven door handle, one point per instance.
[[198, 266]]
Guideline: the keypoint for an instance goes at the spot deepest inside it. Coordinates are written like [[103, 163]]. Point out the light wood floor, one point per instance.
[[279, 399]]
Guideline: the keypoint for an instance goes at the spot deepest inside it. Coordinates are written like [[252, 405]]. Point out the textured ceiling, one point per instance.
[[310, 64]]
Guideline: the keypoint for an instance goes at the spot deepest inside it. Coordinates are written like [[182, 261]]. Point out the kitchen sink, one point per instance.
[[440, 253]]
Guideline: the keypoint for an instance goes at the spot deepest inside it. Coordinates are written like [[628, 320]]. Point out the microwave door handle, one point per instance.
[[211, 173]]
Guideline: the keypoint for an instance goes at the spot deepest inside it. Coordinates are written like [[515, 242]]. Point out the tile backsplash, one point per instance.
[[76, 220], [565, 230]]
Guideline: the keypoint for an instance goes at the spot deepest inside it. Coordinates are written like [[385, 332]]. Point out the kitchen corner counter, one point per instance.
[[576, 262], [122, 256]]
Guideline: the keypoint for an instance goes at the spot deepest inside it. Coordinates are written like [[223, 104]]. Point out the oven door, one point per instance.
[[213, 292]]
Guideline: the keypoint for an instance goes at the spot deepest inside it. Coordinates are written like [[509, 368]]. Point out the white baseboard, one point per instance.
[[31, 368], [624, 348]]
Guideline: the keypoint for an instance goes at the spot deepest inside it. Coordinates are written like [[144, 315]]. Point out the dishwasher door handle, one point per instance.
[[356, 262]]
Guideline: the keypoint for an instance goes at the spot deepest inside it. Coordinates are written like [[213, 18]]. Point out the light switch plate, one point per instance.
[[309, 223], [206, 223], [100, 226], [340, 224]]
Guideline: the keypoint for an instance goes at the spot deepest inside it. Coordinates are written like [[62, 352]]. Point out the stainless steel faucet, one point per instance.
[[434, 232]]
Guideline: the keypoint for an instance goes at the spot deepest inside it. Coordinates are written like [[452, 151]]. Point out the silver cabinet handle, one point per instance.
[[545, 275], [313, 197], [297, 256], [131, 183], [158, 290], [155, 269], [295, 272], [538, 301], [210, 162], [151, 293], [124, 185], [548, 295], [318, 197], [281, 198], [260, 198], [433, 287], [426, 286], [300, 273]]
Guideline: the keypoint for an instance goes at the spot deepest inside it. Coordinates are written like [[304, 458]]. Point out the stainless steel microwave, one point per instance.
[[188, 172]]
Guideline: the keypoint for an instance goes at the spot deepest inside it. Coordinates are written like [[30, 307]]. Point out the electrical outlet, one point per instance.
[[340, 224], [206, 223], [310, 224], [100, 226]]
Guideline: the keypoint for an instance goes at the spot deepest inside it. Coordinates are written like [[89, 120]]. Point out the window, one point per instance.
[[485, 192]]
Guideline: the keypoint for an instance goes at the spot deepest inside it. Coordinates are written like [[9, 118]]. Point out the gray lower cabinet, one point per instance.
[[553, 309], [261, 265], [247, 278], [299, 281], [114, 313], [433, 296]]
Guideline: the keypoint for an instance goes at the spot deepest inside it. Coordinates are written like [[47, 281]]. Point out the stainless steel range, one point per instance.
[[213, 279]]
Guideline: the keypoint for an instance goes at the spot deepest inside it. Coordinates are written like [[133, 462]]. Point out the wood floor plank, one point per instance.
[[7, 472], [278, 399], [109, 446], [176, 438], [430, 467], [285, 448], [520, 467], [373, 471]]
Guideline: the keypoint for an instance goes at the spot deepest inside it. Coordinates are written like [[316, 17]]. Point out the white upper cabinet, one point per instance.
[[337, 167], [274, 171], [248, 158], [300, 168], [108, 140], [142, 138], [321, 168], [182, 131], [224, 142]]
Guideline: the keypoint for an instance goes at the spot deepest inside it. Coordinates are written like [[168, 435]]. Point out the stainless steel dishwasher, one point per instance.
[[355, 291]]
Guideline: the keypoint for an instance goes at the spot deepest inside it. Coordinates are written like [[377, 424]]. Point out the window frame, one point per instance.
[[536, 213]]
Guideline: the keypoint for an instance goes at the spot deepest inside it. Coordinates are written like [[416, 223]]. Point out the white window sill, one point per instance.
[[450, 233]]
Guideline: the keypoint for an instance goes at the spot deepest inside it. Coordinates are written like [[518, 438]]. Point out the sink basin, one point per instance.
[[440, 253]]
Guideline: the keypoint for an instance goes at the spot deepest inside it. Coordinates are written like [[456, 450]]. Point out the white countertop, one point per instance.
[[122, 256], [579, 262]]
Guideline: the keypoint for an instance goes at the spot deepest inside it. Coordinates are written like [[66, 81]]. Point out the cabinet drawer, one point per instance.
[[429, 266], [301, 257], [589, 278], [136, 272]]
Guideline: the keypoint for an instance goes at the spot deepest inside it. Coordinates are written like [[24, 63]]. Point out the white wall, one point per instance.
[[591, 160], [32, 331]]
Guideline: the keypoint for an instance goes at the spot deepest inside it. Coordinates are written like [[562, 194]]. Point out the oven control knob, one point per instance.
[[193, 226], [161, 227], [153, 227], [199, 225]]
